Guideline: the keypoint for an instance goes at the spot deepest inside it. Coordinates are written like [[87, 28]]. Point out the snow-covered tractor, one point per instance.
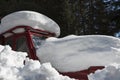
[[26, 30]]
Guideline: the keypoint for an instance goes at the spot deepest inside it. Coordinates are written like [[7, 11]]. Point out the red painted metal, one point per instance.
[[29, 31], [82, 75], [2, 41]]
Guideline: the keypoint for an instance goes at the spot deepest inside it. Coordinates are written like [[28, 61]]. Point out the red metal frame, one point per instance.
[[29, 31], [82, 75]]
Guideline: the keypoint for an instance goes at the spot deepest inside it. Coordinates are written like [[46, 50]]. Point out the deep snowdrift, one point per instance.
[[75, 53], [103, 50], [29, 18], [12, 68], [110, 72]]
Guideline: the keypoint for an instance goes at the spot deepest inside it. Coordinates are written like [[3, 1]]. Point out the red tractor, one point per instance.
[[27, 39]]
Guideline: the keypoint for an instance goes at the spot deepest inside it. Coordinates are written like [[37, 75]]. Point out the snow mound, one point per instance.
[[75, 53], [29, 18], [12, 67], [110, 72]]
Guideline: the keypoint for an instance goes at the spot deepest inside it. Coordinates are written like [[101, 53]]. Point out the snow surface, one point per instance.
[[12, 67], [29, 18], [110, 72], [75, 53], [91, 50]]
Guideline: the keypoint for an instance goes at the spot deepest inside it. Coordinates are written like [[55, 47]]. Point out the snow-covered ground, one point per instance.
[[110, 72], [12, 67], [75, 53]]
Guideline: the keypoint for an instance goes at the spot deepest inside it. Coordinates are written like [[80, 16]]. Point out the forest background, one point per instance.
[[78, 17]]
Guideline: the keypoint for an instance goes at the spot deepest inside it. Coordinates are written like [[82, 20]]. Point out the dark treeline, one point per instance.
[[79, 17]]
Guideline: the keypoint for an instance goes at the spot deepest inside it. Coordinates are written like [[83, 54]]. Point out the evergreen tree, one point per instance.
[[78, 17]]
